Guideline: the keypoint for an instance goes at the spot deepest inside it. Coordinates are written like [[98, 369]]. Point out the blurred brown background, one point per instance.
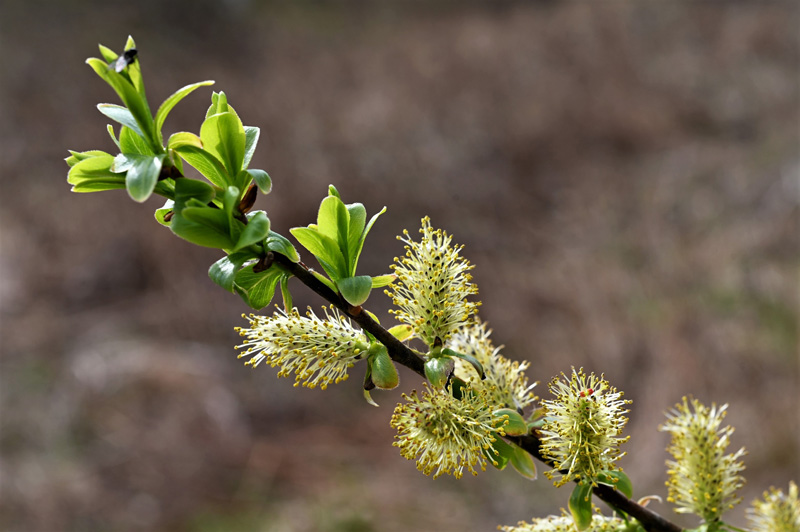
[[624, 176]]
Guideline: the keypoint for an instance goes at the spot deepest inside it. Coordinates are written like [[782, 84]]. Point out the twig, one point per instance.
[[403, 355]]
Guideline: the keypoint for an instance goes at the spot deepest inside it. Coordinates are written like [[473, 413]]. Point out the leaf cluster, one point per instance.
[[215, 212]]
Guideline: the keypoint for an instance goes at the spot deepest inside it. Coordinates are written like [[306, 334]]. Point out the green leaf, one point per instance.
[[134, 72], [99, 185], [251, 140], [169, 104], [205, 163], [355, 290], [258, 289], [256, 230], [165, 188], [223, 136], [110, 129], [333, 220], [219, 104], [357, 216], [212, 226], [580, 505], [369, 399], [204, 226], [108, 54], [323, 248], [523, 463], [467, 358], [262, 180], [383, 372], [402, 332], [360, 247], [132, 99], [224, 270], [186, 189], [120, 114], [78, 156], [379, 281], [93, 173], [184, 138], [280, 244], [287, 296], [161, 212], [617, 479], [499, 453], [142, 173], [324, 280], [514, 425], [131, 142], [438, 370]]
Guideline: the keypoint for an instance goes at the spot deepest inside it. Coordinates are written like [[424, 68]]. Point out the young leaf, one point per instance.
[[132, 142], [78, 156], [500, 453], [380, 281], [617, 479], [251, 140], [357, 252], [580, 505], [165, 188], [186, 189], [257, 289], [205, 163], [324, 280], [357, 216], [224, 270], [120, 114], [223, 136], [184, 138], [161, 213], [323, 248], [438, 370], [256, 230], [280, 244], [510, 421], [142, 174], [467, 358], [110, 129], [129, 96], [333, 221], [383, 373], [93, 173], [262, 179], [108, 54], [355, 290], [287, 296], [219, 104], [169, 103], [202, 228], [99, 184], [134, 71], [369, 398], [523, 463], [211, 227], [402, 332]]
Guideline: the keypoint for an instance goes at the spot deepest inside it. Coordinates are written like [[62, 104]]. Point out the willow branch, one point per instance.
[[403, 355]]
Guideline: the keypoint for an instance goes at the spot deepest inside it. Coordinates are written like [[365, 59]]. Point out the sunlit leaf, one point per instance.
[[580, 505], [355, 290], [169, 104]]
